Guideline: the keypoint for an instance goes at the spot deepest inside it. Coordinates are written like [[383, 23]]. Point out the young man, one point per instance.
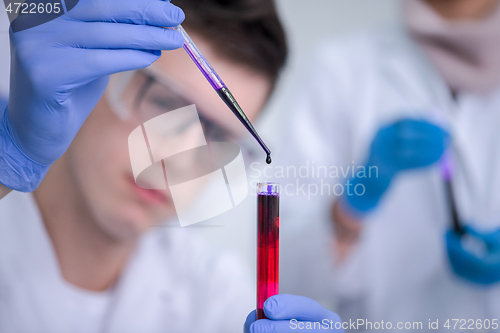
[[79, 254]]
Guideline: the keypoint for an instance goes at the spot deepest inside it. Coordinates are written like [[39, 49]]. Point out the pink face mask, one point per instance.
[[466, 53]]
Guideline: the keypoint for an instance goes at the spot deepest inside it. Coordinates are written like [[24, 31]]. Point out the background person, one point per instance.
[[371, 100]]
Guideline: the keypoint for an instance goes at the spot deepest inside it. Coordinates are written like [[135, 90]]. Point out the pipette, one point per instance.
[[219, 86], [447, 173]]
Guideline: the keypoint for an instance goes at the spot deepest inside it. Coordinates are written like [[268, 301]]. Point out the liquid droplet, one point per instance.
[[268, 159]]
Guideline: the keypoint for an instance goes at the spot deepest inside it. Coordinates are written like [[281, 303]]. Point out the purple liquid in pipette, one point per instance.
[[446, 167], [209, 73]]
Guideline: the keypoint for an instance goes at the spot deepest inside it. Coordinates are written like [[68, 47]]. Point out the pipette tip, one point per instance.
[[268, 159]]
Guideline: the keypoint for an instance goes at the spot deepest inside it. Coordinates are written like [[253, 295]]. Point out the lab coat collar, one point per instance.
[[146, 281], [33, 250], [424, 81]]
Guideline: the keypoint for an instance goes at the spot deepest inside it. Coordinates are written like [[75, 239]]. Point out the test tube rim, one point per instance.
[[267, 193]]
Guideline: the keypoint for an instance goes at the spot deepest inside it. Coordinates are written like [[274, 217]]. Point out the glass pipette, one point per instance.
[[219, 86], [447, 173]]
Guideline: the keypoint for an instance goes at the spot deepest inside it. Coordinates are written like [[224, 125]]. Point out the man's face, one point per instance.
[[98, 160]]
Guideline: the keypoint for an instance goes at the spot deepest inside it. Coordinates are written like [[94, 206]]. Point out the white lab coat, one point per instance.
[[172, 284], [399, 271]]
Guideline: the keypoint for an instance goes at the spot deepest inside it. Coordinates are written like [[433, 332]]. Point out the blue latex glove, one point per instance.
[[60, 70], [3, 102], [481, 267], [405, 145], [288, 313]]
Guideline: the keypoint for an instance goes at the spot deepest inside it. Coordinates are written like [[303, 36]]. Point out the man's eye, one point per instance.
[[159, 105], [215, 132], [165, 104]]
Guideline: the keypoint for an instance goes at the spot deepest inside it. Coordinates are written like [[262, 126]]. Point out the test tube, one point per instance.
[[268, 204], [219, 86]]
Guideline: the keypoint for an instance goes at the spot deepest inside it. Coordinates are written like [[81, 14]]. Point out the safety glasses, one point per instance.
[[143, 95]]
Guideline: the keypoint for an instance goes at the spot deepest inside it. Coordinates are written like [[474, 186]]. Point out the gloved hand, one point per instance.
[[60, 70], [481, 267], [404, 145], [288, 313]]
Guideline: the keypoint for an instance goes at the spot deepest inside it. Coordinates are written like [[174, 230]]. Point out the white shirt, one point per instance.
[[171, 284], [399, 271]]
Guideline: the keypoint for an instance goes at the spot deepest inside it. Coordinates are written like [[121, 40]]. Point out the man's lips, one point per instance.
[[153, 197]]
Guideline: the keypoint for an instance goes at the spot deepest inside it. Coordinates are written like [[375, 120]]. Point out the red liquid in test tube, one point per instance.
[[268, 202]]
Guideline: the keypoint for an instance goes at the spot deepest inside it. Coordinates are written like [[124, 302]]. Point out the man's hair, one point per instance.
[[247, 32]]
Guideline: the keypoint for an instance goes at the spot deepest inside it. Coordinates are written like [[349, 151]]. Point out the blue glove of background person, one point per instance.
[[3, 102], [60, 70], [405, 145], [480, 266], [288, 313]]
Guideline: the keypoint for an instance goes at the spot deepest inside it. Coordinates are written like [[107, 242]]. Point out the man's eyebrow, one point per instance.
[[165, 81]]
